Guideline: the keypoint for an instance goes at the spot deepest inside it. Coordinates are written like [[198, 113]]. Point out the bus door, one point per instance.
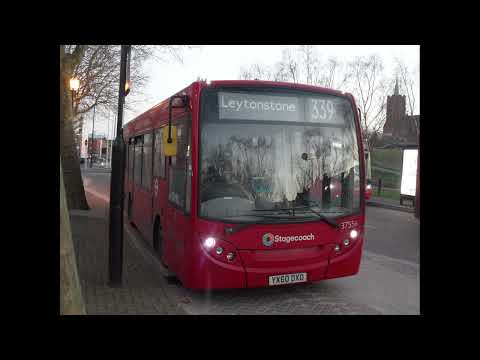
[[159, 187], [129, 158], [141, 195], [178, 220], [134, 208], [144, 193]]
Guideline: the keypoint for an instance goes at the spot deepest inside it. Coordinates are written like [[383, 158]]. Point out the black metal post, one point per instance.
[[73, 93], [93, 134], [115, 261]]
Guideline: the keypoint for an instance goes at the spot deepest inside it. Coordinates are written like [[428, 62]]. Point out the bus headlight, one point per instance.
[[209, 242], [369, 187], [353, 234]]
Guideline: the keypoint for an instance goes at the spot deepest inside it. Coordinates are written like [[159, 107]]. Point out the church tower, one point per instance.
[[396, 106]]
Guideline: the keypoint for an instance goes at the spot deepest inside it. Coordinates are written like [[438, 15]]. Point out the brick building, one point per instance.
[[98, 146], [400, 127]]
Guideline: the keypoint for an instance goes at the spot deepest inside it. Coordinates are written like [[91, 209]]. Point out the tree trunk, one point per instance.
[[74, 190], [71, 300]]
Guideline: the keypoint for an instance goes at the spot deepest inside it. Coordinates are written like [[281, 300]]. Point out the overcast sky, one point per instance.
[[223, 62]]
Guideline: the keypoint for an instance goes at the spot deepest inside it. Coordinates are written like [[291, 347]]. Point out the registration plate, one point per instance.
[[287, 279]]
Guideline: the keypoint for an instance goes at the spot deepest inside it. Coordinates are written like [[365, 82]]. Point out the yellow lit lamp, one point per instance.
[[74, 84], [128, 85], [169, 149]]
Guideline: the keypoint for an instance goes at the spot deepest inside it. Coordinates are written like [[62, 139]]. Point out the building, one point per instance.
[[99, 146], [400, 127]]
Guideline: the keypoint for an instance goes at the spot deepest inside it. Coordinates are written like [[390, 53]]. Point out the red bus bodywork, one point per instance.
[[184, 235]]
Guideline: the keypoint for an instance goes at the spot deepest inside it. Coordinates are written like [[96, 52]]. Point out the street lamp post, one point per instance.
[[115, 260], [93, 134]]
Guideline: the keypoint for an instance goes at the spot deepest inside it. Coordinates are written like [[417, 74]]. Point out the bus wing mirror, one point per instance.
[[169, 149], [180, 101], [177, 101]]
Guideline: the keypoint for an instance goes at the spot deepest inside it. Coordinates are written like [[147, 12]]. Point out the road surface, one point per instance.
[[388, 281]]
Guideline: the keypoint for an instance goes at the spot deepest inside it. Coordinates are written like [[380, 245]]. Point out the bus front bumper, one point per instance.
[[256, 266]]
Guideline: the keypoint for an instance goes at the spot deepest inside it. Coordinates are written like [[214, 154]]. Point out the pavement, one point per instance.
[[384, 285], [390, 204], [142, 291]]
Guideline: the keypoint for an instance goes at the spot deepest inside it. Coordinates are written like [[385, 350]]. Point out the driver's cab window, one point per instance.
[[179, 179]]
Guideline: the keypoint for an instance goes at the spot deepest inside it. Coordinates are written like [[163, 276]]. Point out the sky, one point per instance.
[[224, 62]]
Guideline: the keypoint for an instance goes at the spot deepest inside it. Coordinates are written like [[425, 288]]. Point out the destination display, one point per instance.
[[258, 107], [247, 106]]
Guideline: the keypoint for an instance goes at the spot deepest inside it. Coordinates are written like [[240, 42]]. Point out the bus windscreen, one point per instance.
[[262, 152]]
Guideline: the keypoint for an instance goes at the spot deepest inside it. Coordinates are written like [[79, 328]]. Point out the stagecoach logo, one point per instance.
[[269, 239]]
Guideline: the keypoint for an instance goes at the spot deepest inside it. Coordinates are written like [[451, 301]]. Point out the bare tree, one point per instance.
[[368, 86], [332, 75], [257, 72], [301, 64], [99, 76], [288, 69], [310, 62], [97, 67], [407, 82]]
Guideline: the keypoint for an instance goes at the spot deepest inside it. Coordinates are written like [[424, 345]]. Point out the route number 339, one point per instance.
[[322, 109]]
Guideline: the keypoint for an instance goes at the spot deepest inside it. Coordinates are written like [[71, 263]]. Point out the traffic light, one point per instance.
[[86, 142]]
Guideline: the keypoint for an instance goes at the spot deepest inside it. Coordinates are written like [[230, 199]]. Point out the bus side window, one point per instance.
[[158, 157], [147, 162], [178, 185], [137, 174], [131, 154], [127, 147]]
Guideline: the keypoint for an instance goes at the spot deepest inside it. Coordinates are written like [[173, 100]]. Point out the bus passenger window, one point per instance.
[[131, 154], [137, 175], [147, 162], [179, 187], [159, 157]]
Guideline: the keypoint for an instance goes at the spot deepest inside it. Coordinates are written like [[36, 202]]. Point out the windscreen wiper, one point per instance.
[[268, 220], [324, 218], [292, 209]]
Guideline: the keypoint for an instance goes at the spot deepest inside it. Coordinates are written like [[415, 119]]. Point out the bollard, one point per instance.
[[379, 186]]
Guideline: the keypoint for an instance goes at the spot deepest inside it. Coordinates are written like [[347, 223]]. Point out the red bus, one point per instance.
[[243, 184]]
